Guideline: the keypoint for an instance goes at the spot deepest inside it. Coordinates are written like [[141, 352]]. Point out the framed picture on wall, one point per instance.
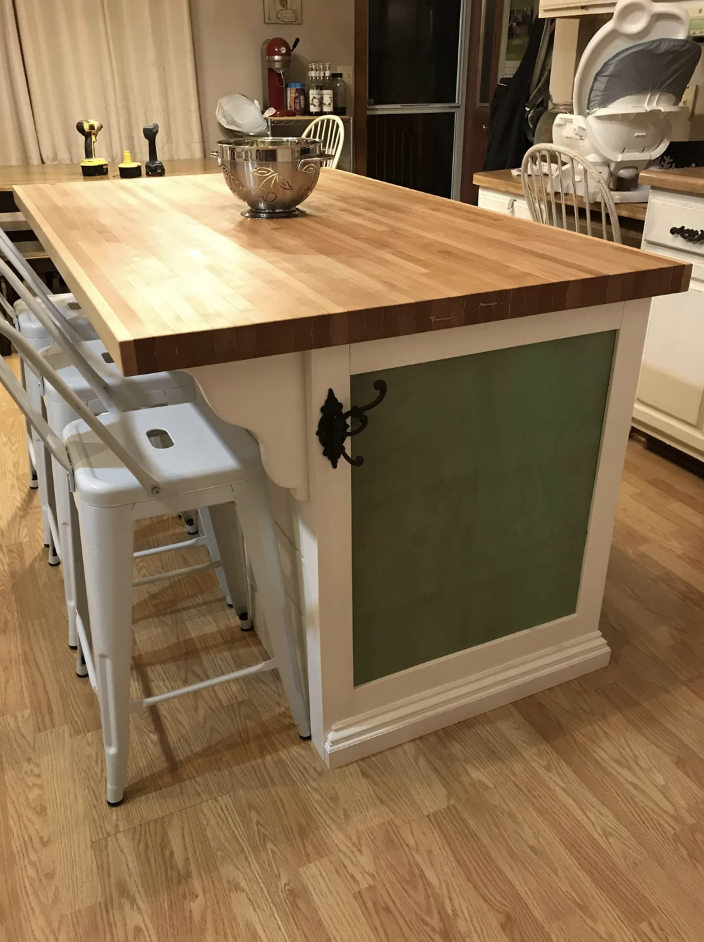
[[283, 12]]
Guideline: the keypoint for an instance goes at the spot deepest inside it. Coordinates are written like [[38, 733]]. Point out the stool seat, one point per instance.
[[31, 328], [185, 446], [66, 300], [153, 389]]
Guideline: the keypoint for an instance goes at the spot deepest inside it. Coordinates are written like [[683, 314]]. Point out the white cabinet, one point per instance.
[[672, 375], [550, 8], [505, 203], [670, 400]]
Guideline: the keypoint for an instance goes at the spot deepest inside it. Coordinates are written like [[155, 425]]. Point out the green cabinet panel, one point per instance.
[[470, 513]]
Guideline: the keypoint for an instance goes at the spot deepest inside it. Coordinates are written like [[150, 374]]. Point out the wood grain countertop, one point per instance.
[[505, 181], [173, 276], [21, 175], [685, 180]]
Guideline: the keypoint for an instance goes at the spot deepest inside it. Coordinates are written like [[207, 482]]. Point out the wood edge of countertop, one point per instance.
[[504, 181], [677, 180], [224, 345]]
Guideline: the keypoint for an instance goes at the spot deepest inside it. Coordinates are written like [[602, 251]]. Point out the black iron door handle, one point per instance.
[[690, 235], [333, 427]]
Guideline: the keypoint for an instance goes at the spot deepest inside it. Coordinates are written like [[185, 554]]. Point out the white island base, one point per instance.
[[380, 673]]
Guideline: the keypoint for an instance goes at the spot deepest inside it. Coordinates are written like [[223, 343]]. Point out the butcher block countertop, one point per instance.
[[172, 276], [685, 180]]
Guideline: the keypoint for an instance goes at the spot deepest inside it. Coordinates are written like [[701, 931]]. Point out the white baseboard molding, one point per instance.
[[380, 729], [685, 438]]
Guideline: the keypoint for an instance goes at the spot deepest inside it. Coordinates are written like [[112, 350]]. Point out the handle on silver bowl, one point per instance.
[[214, 153], [318, 157]]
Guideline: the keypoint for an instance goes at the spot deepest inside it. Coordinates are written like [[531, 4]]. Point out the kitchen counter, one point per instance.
[[23, 174], [680, 180], [461, 566], [505, 181]]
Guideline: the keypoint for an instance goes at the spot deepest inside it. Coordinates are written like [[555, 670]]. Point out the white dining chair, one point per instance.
[[331, 131], [558, 183], [120, 467]]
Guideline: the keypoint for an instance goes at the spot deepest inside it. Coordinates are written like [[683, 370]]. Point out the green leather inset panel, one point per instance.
[[470, 513]]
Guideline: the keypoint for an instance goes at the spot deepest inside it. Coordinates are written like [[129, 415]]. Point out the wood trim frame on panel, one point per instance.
[[325, 540], [350, 722], [361, 84]]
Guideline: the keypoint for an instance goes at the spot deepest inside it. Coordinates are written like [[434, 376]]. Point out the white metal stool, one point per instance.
[[101, 383], [123, 467], [156, 389], [31, 328]]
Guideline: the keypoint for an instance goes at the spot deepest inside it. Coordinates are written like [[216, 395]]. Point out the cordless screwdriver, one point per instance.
[[153, 166], [91, 166]]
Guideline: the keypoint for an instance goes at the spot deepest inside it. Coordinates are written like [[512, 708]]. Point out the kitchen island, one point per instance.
[[460, 566]]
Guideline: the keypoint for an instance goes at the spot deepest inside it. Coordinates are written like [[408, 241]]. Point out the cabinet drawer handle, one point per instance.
[[690, 235], [333, 427]]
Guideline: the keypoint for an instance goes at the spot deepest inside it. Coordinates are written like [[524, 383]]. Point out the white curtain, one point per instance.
[[126, 63], [18, 137]]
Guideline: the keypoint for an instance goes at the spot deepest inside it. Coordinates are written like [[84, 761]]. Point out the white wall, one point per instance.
[[228, 35]]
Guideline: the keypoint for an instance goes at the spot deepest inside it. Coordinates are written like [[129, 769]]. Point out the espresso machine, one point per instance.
[[276, 60]]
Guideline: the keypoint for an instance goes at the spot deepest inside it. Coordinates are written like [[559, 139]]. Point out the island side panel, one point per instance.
[[470, 512], [402, 705]]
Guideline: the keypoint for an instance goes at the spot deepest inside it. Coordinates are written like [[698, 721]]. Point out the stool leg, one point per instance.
[[63, 520], [35, 397], [50, 506], [58, 416], [259, 534], [38, 445], [234, 591], [78, 587], [191, 521], [33, 479], [107, 537]]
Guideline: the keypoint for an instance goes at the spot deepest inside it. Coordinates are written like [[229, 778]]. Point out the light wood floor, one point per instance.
[[573, 816]]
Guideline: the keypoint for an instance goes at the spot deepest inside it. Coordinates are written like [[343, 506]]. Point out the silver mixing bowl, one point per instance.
[[273, 175]]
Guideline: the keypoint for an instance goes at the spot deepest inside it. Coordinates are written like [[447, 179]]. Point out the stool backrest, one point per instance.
[[115, 397], [42, 368], [561, 186], [331, 131], [19, 262], [17, 392], [59, 328], [8, 309]]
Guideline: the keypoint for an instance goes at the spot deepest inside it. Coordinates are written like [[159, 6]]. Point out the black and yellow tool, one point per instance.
[[129, 168], [153, 166], [91, 166]]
